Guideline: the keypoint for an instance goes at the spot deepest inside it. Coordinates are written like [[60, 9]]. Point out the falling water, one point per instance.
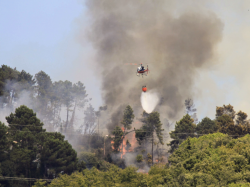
[[149, 100]]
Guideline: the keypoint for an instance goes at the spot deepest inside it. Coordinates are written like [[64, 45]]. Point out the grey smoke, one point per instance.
[[174, 47]]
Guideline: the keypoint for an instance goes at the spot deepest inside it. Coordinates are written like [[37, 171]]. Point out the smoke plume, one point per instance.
[[175, 48]]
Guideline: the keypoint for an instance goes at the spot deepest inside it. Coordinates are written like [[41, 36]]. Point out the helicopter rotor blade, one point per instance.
[[132, 64]]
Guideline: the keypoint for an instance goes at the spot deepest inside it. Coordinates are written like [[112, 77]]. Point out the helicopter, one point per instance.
[[140, 70]]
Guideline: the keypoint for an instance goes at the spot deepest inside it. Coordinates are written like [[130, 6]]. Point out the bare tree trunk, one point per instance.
[[104, 147], [98, 126], [71, 123], [67, 118], [158, 151], [152, 149], [123, 138]]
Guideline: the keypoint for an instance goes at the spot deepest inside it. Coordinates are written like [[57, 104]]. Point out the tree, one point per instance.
[[4, 143], [144, 132], [117, 132], [155, 125], [152, 124], [43, 95], [241, 118], [226, 124], [149, 159], [139, 158], [24, 119], [56, 101], [128, 117], [98, 114], [89, 120], [8, 79], [63, 95], [32, 152], [191, 110], [25, 82], [89, 159], [114, 176], [210, 160], [127, 120], [79, 99], [23, 138], [57, 155], [67, 98], [214, 159], [206, 126], [226, 109], [183, 129]]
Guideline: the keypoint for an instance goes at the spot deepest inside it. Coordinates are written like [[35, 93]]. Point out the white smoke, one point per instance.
[[149, 100]]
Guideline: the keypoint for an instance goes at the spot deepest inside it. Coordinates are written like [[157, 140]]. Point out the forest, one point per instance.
[[42, 142]]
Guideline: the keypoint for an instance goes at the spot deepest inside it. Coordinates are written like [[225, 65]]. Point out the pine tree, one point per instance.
[[117, 132], [32, 151], [89, 120], [57, 155], [183, 129], [226, 109], [128, 117], [191, 110], [207, 126]]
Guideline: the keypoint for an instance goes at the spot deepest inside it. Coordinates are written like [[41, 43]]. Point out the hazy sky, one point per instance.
[[43, 35]]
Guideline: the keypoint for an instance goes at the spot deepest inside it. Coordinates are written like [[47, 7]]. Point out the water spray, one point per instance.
[[149, 100]]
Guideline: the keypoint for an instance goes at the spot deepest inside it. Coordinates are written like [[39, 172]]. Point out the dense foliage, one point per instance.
[[128, 117], [183, 129], [227, 121], [28, 151], [210, 160], [151, 124]]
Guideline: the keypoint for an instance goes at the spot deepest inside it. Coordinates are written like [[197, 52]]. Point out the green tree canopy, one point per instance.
[[4, 143], [206, 126], [226, 124], [143, 132], [113, 177], [57, 155], [214, 159], [28, 151], [155, 125], [6, 74], [183, 129], [151, 123], [242, 118], [118, 133], [25, 82], [226, 109], [24, 119], [44, 93], [210, 160], [8, 80], [128, 117]]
